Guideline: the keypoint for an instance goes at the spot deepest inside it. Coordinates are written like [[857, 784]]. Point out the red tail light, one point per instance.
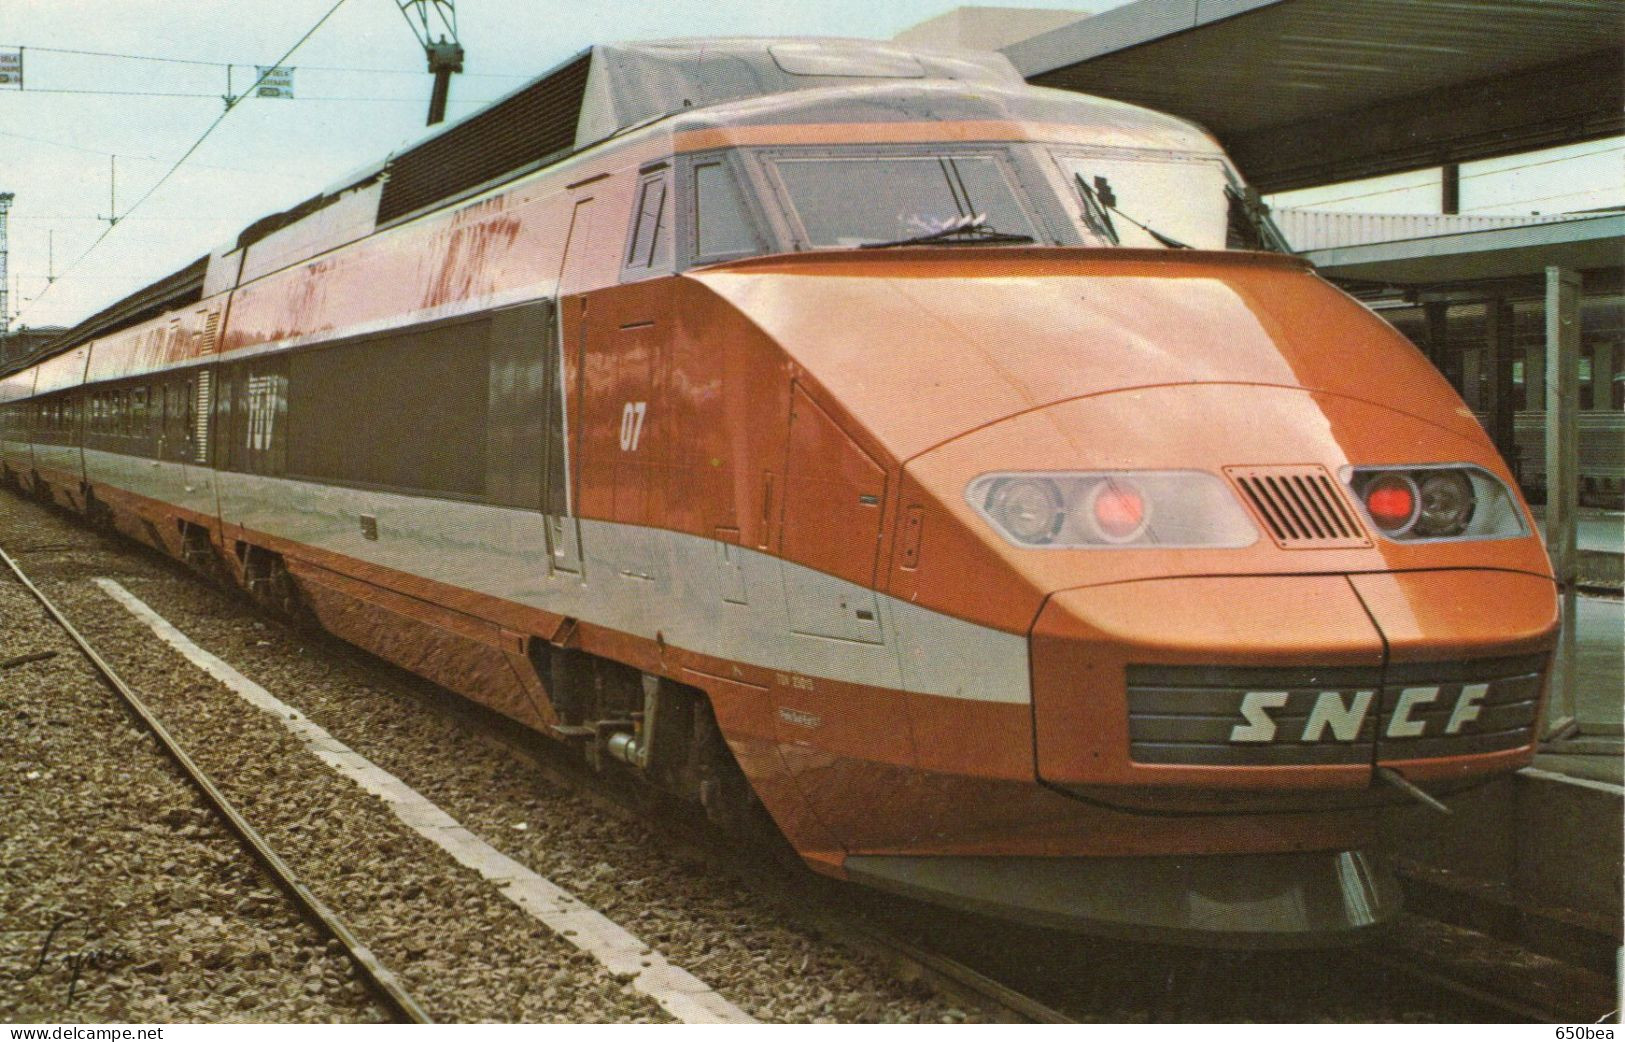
[[1391, 502], [1119, 510]]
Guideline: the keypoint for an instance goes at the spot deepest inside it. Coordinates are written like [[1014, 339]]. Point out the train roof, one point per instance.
[[611, 89]]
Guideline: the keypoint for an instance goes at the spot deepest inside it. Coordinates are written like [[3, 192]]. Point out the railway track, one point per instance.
[[379, 977]]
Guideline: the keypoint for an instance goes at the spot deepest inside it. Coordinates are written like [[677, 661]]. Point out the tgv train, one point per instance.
[[945, 465]]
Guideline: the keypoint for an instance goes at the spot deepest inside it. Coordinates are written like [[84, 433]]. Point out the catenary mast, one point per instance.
[[5, 274], [434, 23]]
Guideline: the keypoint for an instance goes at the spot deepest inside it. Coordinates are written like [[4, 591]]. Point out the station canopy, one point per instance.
[[1309, 92], [1514, 257]]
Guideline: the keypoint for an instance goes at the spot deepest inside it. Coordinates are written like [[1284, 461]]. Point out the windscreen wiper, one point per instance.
[[971, 230], [1250, 226], [1102, 197], [1095, 213]]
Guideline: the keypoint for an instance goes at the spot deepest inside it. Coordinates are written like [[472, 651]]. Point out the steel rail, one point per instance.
[[963, 976], [380, 977]]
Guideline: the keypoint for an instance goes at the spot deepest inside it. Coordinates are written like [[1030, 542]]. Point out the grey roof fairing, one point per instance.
[[734, 80], [634, 83]]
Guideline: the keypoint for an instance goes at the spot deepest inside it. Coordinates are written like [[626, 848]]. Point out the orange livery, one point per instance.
[[959, 470]]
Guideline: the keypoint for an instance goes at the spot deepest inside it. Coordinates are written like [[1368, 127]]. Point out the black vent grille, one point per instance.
[[1302, 507], [537, 122]]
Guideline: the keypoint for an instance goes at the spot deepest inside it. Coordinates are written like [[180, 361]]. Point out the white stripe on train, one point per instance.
[[637, 580]]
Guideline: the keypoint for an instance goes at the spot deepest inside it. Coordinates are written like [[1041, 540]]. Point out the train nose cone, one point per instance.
[[1289, 681], [1197, 647]]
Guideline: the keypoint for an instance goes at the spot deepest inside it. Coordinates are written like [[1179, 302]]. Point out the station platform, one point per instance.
[[1597, 750], [1536, 856]]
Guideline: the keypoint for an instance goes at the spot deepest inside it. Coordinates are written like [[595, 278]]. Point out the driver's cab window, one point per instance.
[[649, 238], [1129, 198], [846, 201], [723, 226]]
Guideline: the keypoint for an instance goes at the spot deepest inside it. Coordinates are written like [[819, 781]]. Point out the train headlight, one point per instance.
[[1029, 509], [1451, 501], [1447, 504], [1111, 509]]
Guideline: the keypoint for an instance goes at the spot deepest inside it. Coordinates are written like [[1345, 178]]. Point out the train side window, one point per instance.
[[189, 449], [649, 246], [722, 225], [362, 413], [176, 413]]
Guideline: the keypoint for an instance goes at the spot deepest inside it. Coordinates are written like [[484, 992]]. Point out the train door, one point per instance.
[[564, 524]]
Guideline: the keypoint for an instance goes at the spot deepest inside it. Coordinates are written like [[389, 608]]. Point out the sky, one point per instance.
[[362, 89]]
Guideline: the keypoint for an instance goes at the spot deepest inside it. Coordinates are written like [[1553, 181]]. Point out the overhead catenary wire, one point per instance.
[[1542, 199], [1469, 177], [230, 106], [106, 92], [234, 64], [137, 158]]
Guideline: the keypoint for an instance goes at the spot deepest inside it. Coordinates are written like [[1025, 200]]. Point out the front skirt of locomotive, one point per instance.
[[1232, 901], [1210, 753]]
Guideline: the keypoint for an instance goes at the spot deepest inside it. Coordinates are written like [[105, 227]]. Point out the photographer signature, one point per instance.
[[69, 949]]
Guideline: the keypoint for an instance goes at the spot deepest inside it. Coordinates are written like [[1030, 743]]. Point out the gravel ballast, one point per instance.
[[463, 950], [122, 896]]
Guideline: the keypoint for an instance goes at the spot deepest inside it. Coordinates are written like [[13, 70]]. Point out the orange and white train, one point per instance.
[[959, 470]]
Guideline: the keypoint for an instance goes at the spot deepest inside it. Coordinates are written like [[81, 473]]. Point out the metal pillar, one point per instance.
[[1563, 481], [1498, 342], [5, 280], [1436, 319], [1450, 188]]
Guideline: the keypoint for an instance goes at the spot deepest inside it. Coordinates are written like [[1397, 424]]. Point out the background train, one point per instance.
[[942, 464], [1601, 389]]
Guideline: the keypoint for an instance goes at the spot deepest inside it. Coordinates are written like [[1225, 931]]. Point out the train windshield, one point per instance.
[[868, 200], [1150, 199]]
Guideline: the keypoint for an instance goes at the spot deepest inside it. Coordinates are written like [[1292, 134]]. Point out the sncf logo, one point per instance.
[[1340, 715]]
